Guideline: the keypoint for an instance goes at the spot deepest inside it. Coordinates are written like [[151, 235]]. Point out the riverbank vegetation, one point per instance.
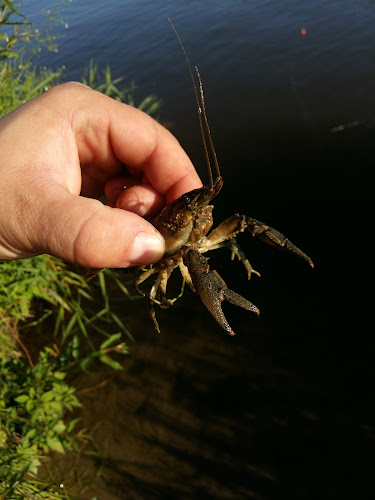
[[39, 408]]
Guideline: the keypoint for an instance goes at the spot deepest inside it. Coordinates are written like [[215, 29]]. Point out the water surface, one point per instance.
[[284, 409]]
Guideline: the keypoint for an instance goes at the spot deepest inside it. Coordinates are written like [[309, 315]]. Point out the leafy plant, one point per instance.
[[33, 403], [35, 289], [8, 10], [20, 41], [35, 395]]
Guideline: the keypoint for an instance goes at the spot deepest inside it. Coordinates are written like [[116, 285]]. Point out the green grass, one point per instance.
[[45, 293]]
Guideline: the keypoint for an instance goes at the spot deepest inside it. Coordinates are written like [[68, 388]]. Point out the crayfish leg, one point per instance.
[[224, 236], [151, 310], [157, 294], [143, 277], [186, 275], [240, 254], [236, 224]]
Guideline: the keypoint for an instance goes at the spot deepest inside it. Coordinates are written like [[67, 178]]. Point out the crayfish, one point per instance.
[[185, 225]]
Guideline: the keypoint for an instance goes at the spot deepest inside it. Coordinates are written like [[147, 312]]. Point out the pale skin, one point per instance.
[[61, 151]]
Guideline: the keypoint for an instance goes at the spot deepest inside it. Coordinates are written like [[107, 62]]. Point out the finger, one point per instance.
[[166, 165], [128, 193], [114, 187], [141, 199], [86, 232], [109, 133]]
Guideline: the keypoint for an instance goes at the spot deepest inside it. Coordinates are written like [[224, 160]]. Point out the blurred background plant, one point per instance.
[[35, 393]]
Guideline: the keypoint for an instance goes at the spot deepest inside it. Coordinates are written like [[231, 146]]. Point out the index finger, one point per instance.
[[105, 128], [147, 147]]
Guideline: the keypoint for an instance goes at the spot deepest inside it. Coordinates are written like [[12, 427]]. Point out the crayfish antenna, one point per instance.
[[201, 110], [214, 156]]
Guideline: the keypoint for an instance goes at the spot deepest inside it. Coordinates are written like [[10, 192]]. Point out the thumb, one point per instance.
[[86, 232]]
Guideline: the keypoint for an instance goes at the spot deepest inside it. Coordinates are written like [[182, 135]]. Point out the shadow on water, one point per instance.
[[285, 408], [196, 414], [282, 410]]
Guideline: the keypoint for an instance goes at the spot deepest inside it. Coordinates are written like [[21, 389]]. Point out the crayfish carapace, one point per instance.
[[185, 224]]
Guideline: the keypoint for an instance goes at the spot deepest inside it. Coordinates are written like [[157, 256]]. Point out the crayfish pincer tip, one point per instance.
[[308, 260]]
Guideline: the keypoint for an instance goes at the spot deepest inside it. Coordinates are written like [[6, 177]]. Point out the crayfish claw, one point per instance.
[[273, 237], [212, 289], [237, 299], [292, 248]]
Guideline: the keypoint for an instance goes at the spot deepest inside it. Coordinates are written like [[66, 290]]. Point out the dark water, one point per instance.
[[285, 409]]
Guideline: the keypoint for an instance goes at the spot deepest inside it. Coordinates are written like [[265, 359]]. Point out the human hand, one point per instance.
[[73, 140]]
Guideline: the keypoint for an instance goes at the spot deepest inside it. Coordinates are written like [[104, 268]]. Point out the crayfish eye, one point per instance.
[[186, 198]]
